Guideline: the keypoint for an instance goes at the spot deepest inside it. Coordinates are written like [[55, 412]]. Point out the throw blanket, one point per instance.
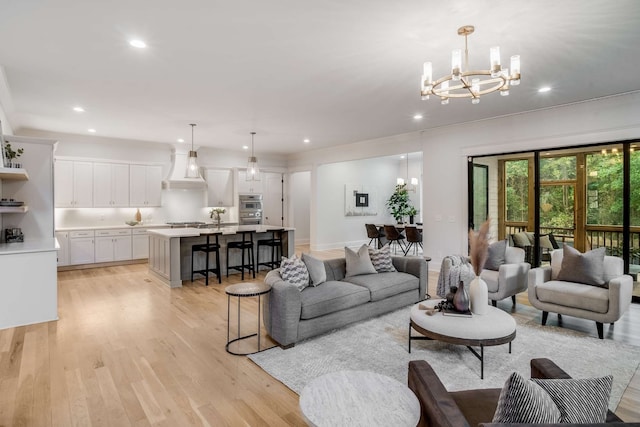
[[454, 269]]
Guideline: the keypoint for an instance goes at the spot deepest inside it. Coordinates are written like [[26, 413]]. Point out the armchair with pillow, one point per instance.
[[590, 286], [505, 272], [544, 400]]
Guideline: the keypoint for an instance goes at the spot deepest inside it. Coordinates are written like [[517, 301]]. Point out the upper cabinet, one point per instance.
[[110, 185], [248, 187], [145, 185], [73, 183], [219, 187]]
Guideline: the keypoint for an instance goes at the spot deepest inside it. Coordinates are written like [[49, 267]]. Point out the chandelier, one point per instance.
[[465, 83]]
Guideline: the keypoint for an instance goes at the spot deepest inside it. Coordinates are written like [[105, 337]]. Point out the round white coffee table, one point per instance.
[[496, 327], [359, 398]]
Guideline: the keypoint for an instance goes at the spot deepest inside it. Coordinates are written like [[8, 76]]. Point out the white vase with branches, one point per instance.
[[478, 252]]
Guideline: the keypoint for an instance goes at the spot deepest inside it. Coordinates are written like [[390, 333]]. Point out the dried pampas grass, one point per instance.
[[479, 247]]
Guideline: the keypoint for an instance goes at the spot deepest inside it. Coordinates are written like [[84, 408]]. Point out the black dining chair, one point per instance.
[[414, 239], [394, 237], [374, 234]]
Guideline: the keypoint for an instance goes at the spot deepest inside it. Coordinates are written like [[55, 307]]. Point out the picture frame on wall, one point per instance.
[[360, 200]]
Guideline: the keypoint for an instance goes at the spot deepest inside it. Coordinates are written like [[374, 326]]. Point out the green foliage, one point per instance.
[[398, 203], [517, 193], [10, 153]]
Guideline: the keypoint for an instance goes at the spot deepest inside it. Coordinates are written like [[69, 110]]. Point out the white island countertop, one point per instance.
[[193, 232], [29, 246]]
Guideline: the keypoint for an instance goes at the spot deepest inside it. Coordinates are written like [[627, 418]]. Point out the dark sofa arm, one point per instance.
[[436, 404]]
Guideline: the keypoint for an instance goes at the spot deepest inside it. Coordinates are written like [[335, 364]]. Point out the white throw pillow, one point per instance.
[[358, 262]]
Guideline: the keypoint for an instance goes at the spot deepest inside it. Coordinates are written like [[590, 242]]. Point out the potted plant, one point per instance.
[[398, 203], [10, 155], [216, 212], [412, 212]]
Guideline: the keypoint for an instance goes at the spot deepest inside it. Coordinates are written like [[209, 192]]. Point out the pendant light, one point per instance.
[[253, 171], [192, 164]]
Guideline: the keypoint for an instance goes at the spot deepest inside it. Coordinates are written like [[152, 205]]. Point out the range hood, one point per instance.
[[176, 178]]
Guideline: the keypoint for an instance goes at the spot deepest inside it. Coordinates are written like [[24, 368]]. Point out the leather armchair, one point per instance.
[[603, 305], [511, 277], [441, 408]]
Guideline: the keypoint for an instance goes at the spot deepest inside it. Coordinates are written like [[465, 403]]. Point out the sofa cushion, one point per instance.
[[331, 296], [358, 262], [580, 400], [523, 401], [295, 272], [576, 295], [477, 406], [381, 259], [315, 266], [385, 285], [587, 268], [496, 255], [521, 239]]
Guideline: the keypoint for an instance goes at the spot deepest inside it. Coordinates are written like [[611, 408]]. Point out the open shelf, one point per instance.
[[12, 209], [16, 174]]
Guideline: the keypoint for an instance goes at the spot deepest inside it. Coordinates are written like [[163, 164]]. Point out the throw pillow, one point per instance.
[[317, 273], [520, 239], [545, 242], [579, 400], [358, 262], [585, 268], [496, 255], [381, 259], [295, 272], [523, 401]]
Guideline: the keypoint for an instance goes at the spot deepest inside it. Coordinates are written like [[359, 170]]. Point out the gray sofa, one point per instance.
[[291, 315]]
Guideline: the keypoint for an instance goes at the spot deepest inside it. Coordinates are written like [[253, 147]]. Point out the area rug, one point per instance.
[[380, 345]]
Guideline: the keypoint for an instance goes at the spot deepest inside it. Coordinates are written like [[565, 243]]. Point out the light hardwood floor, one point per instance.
[[128, 351]]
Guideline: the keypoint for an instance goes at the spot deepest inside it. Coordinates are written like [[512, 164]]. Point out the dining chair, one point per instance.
[[374, 234], [414, 239], [394, 237]]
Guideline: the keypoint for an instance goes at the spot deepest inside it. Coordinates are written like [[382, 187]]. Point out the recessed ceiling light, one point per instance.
[[245, 147], [78, 109], [180, 140], [544, 89], [417, 116], [402, 157], [92, 130], [306, 140], [138, 43]]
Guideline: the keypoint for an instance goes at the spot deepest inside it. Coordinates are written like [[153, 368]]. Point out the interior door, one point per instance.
[[273, 199]]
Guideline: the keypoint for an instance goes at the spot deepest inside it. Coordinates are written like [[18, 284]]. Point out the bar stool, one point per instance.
[[414, 239], [275, 243], [246, 247], [207, 248]]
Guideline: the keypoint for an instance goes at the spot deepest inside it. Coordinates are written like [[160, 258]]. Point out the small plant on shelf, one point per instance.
[[10, 154]]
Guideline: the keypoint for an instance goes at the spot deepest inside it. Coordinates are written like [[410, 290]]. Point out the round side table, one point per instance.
[[244, 290]]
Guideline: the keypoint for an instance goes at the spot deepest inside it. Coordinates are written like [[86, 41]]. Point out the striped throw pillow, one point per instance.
[[294, 271], [381, 259], [523, 401], [580, 400]]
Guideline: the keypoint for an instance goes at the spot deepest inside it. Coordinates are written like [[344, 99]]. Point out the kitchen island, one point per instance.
[[170, 249]]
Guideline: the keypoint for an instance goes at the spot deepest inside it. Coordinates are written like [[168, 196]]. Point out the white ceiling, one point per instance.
[[332, 71]]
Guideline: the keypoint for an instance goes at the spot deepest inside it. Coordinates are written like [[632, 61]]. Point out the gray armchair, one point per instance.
[[510, 279], [604, 304]]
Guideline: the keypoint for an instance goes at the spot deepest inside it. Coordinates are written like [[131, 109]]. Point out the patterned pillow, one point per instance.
[[381, 259], [579, 400], [294, 271], [523, 401], [358, 262]]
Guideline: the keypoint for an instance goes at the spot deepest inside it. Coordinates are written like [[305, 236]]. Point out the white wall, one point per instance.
[[300, 197]]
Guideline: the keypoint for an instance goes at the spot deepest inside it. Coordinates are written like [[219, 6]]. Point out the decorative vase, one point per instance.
[[138, 215], [478, 296], [461, 298]]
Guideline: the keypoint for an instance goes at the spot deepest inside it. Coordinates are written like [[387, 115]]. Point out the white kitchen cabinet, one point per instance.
[[219, 187], [63, 252], [81, 247], [145, 184], [110, 185], [248, 187], [73, 183], [140, 244], [112, 245]]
